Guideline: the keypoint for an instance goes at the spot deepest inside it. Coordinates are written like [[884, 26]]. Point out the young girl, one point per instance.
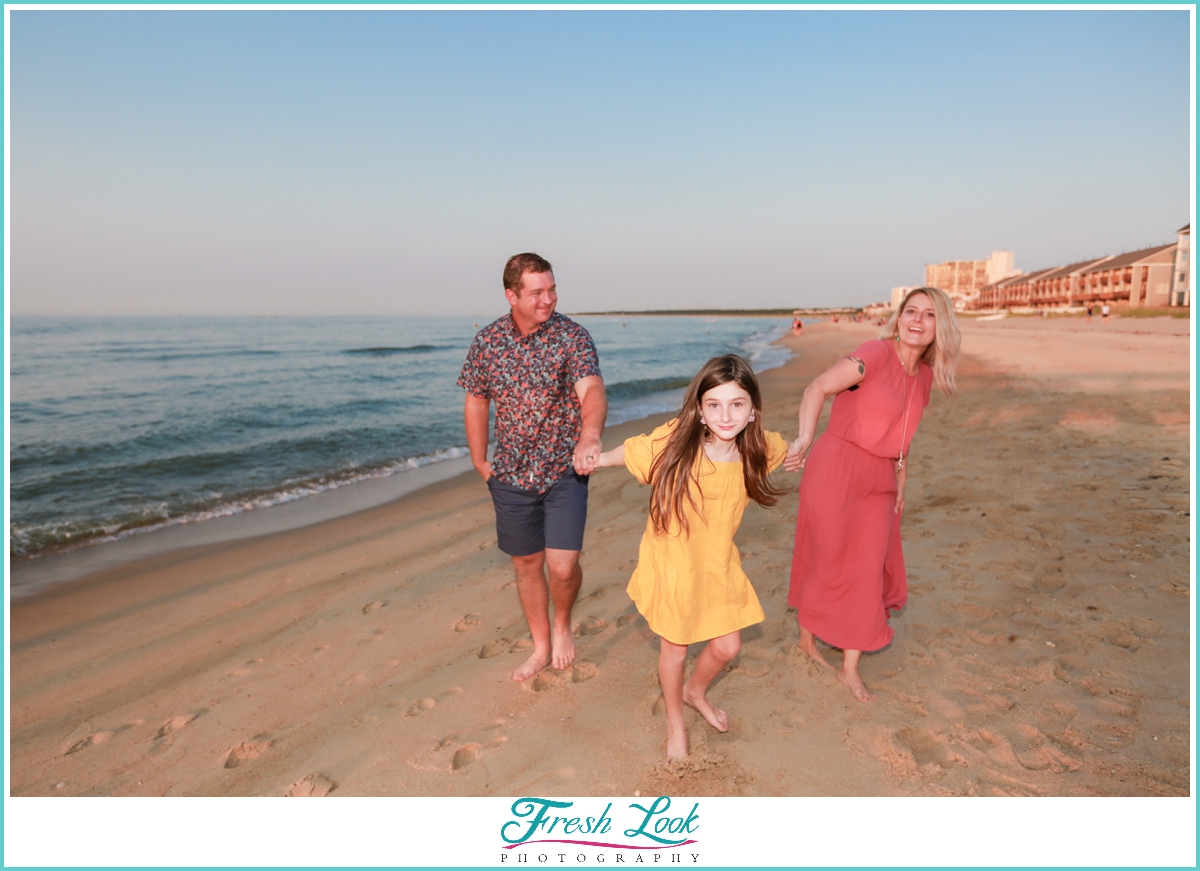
[[703, 469]]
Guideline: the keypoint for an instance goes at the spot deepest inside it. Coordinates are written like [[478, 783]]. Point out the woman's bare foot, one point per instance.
[[717, 718], [677, 743], [809, 647], [562, 647], [852, 680], [535, 663]]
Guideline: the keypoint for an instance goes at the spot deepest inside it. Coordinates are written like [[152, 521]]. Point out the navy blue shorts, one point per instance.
[[528, 522]]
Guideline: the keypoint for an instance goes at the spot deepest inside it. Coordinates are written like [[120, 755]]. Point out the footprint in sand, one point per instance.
[[462, 748], [247, 751], [311, 786], [521, 644], [495, 648], [428, 703], [590, 626], [164, 738], [373, 606], [90, 740], [467, 622], [544, 680], [583, 670], [374, 636], [244, 669], [626, 619]]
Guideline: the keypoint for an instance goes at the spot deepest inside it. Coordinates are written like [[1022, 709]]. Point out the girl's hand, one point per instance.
[[793, 460], [615, 457]]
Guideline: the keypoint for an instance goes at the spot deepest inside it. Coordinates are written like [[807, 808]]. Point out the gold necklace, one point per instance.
[[907, 407]]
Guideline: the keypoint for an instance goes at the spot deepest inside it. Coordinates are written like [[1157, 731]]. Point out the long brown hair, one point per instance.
[[673, 471]]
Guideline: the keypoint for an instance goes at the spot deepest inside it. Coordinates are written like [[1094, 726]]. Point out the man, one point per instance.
[[541, 370]]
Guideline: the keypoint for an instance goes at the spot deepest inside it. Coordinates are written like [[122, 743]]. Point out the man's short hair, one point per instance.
[[518, 265]]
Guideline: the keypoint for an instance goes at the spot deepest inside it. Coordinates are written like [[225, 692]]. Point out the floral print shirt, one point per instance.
[[532, 381]]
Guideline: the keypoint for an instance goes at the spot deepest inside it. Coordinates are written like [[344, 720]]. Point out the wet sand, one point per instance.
[[1044, 650]]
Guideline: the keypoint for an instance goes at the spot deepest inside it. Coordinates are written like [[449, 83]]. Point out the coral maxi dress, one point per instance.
[[847, 568]]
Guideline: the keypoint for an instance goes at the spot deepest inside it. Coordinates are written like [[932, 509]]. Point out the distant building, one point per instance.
[[898, 294], [1181, 283], [1142, 278], [963, 280]]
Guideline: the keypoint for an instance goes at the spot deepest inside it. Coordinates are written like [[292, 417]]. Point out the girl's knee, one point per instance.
[[727, 646]]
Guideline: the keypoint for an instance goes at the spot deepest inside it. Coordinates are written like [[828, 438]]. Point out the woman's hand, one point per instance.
[[797, 453], [901, 480]]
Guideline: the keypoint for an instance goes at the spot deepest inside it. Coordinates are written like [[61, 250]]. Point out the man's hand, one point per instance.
[[587, 456], [475, 421], [593, 408]]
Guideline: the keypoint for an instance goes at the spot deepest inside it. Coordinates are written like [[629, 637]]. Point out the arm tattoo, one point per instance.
[[861, 366]]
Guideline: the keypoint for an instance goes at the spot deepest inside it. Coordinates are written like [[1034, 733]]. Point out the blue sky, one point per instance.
[[388, 161]]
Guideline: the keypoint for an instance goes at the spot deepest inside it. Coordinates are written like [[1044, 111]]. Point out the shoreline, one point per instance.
[[1044, 650]]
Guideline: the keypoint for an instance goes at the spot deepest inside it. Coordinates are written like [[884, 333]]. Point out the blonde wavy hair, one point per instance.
[[942, 353]]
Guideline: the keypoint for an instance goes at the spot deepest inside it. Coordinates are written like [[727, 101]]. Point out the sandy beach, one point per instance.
[[1045, 649]]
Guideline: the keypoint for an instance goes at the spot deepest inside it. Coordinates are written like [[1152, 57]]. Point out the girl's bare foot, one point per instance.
[[562, 647], [677, 742], [852, 680], [717, 718], [535, 663]]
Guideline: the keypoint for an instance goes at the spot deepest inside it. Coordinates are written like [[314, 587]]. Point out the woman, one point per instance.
[[848, 569]]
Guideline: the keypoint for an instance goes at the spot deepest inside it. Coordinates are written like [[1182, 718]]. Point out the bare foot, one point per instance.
[[809, 647], [677, 743], [717, 718], [535, 663], [856, 685], [562, 647]]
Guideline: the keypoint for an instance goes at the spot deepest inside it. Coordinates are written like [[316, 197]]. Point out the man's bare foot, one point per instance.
[[531, 666], [856, 685], [562, 647], [717, 718], [809, 647], [677, 743]]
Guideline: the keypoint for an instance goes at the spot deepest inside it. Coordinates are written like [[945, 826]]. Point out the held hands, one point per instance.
[[797, 453], [587, 456]]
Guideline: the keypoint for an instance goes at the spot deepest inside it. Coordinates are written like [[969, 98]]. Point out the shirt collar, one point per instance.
[[516, 333]]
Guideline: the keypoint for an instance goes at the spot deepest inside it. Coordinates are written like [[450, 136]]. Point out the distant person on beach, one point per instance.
[[848, 567], [1089, 314], [703, 468], [542, 371], [1104, 313], [797, 326]]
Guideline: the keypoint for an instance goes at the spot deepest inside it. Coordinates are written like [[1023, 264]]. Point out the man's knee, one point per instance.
[[530, 563], [563, 565]]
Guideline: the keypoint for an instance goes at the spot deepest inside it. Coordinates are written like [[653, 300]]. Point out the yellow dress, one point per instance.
[[693, 588]]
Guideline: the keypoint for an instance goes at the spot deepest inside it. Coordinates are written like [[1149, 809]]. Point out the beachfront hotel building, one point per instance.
[[1181, 283], [962, 280], [1140, 279]]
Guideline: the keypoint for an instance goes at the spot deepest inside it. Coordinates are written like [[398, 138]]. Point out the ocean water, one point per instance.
[[125, 425]]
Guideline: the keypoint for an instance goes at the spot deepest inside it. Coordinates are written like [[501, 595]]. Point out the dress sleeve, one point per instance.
[[928, 373], [776, 449], [641, 450]]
